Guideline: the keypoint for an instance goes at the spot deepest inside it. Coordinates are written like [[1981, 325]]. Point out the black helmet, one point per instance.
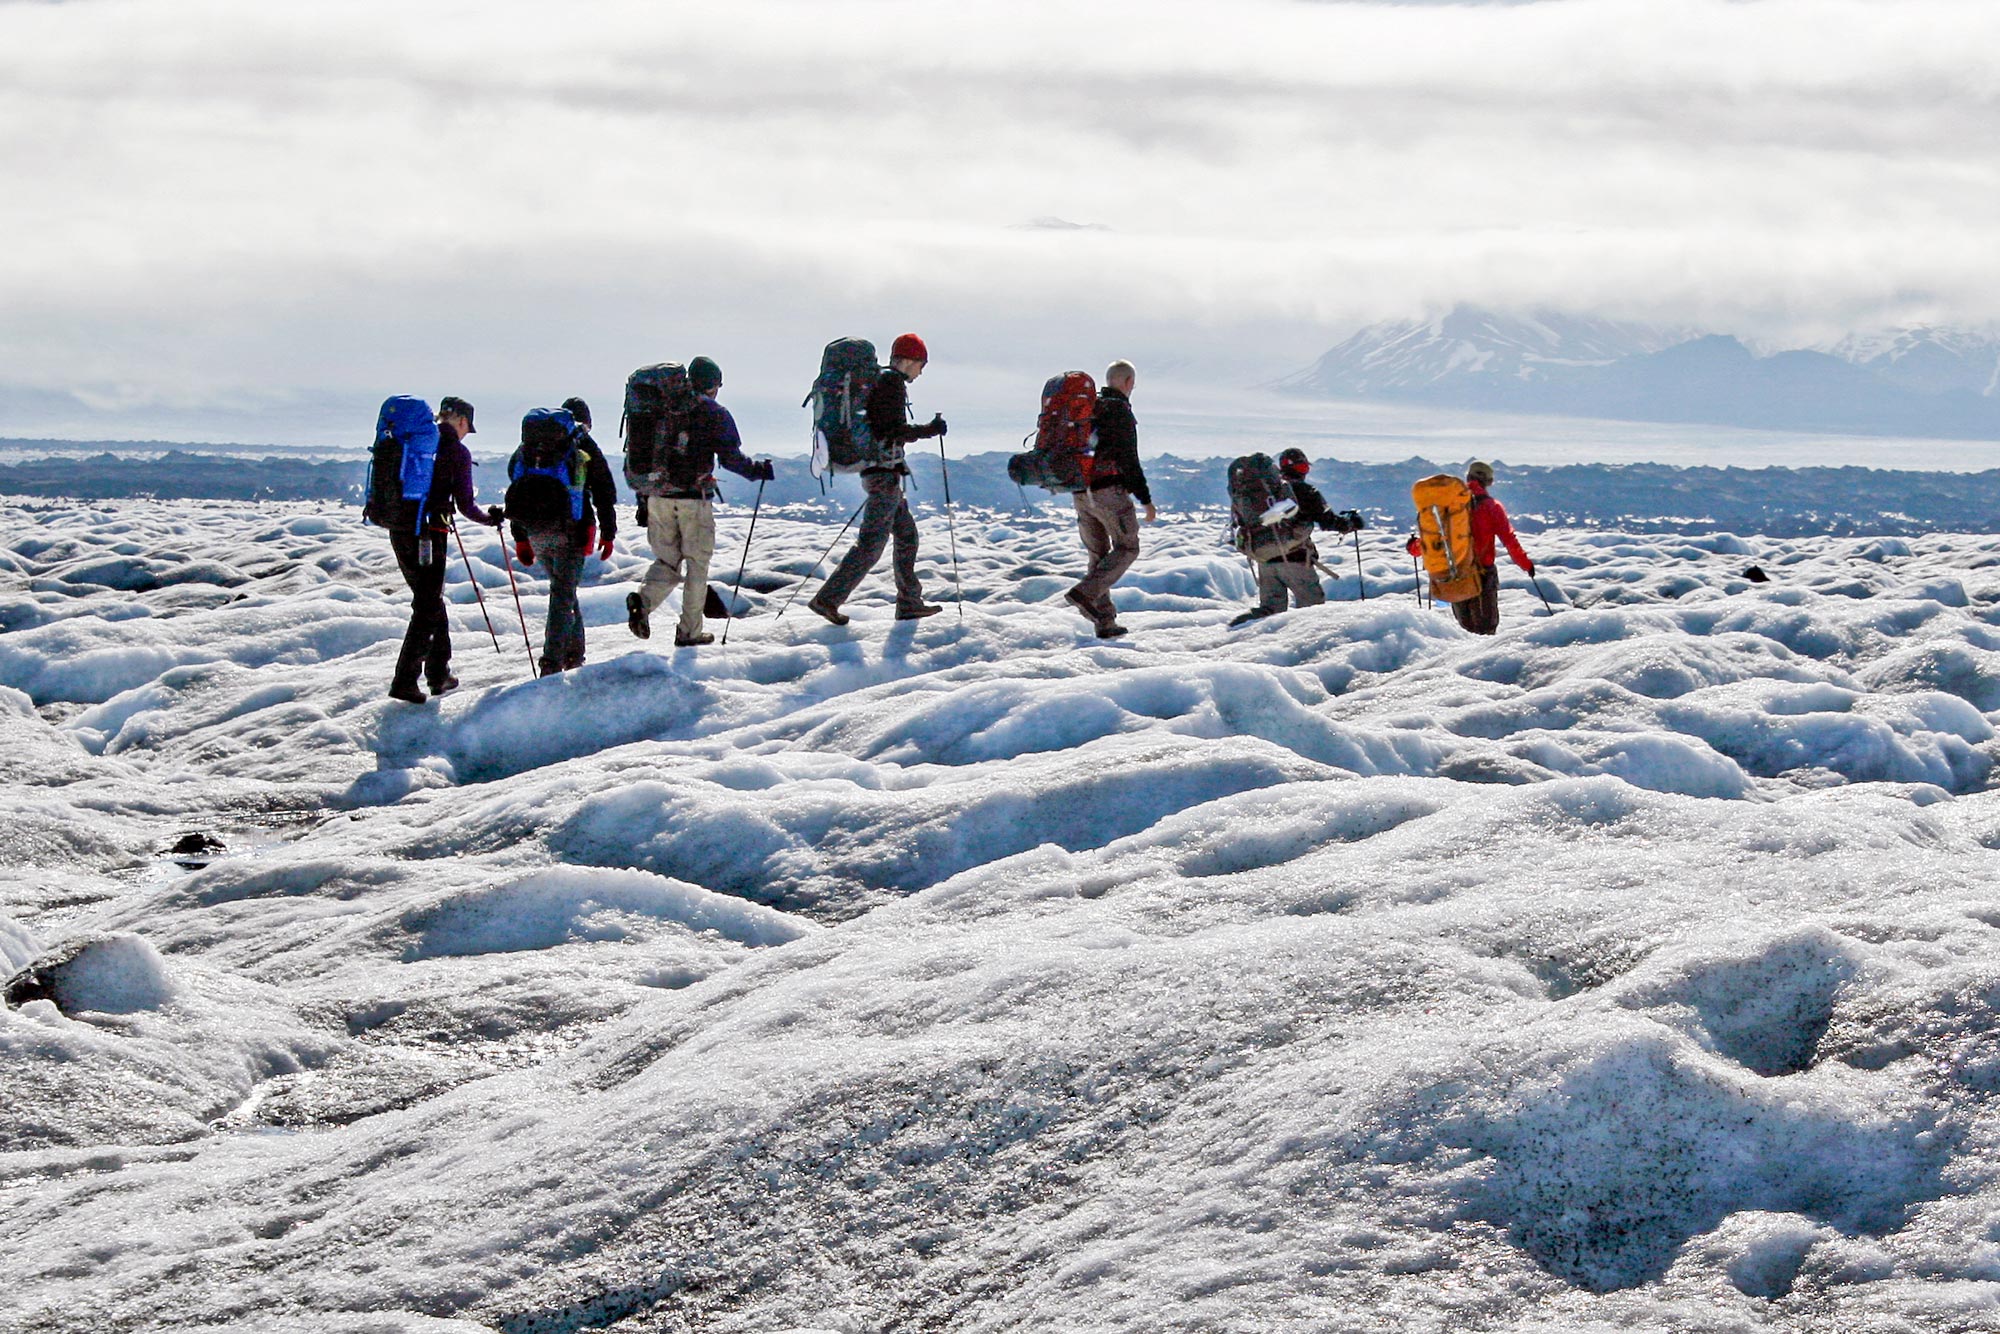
[[578, 409], [1294, 463]]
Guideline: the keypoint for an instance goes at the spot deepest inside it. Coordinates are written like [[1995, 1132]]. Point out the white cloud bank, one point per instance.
[[216, 210]]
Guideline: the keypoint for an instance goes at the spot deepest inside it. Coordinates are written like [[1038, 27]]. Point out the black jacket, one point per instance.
[[1313, 512], [1117, 458], [889, 414], [602, 487]]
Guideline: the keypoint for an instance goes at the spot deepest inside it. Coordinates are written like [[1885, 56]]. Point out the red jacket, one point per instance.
[[1489, 521]]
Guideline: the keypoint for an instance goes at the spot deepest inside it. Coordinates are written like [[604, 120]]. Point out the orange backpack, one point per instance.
[[1444, 526]]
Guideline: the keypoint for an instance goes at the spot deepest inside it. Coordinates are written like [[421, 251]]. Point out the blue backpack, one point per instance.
[[401, 463], [546, 476]]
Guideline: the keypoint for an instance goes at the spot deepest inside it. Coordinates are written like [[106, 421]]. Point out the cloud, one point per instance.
[[325, 201]]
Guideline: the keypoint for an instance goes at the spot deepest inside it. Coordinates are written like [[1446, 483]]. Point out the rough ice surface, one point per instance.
[[1636, 968]]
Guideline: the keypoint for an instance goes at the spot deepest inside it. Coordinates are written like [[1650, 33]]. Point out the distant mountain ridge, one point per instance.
[[1921, 381], [1635, 497]]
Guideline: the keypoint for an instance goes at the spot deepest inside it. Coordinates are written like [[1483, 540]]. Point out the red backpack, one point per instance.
[[1065, 435]]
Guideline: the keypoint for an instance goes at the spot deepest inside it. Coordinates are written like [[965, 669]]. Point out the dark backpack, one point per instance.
[[546, 476], [1065, 437], [660, 406], [1262, 504], [842, 441], [401, 463]]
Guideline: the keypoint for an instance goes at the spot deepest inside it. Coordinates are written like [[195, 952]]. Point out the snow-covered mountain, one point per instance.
[[1472, 347], [1918, 382], [1927, 358]]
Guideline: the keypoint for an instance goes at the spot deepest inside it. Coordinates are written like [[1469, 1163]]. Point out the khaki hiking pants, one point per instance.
[[1108, 523], [680, 532]]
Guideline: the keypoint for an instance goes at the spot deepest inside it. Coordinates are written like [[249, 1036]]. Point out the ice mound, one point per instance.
[[553, 908], [1606, 1153], [112, 974], [103, 1045], [1765, 1009], [829, 845], [1758, 1253], [1970, 672], [18, 946]]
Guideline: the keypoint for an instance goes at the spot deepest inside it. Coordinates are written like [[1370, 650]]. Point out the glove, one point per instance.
[[524, 551], [761, 470], [639, 514], [1355, 523], [604, 549], [496, 515], [937, 426]]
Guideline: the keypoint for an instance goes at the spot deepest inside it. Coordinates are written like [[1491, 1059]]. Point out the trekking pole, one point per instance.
[[526, 643], [1538, 588], [1359, 578], [958, 589], [1417, 579], [822, 556], [735, 589], [475, 590]]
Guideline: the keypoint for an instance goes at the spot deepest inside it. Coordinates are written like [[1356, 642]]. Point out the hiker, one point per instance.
[[680, 515], [417, 534], [563, 502], [1481, 613], [1106, 519], [1283, 553], [886, 513]]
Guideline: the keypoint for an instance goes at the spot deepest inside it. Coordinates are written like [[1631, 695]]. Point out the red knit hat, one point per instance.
[[911, 346]]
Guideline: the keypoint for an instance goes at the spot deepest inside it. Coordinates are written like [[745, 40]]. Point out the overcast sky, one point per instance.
[[252, 220]]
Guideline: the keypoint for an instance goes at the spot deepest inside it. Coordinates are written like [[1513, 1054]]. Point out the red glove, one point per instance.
[[524, 551], [604, 549]]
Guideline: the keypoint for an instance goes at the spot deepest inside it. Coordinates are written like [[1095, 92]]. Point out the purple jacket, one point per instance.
[[451, 483]]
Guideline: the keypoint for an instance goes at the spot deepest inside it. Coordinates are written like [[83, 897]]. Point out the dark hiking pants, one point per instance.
[[559, 555], [1108, 523], [427, 643], [1282, 576], [885, 514], [1481, 614]]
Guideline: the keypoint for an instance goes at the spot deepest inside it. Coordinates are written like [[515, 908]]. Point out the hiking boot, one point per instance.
[[1254, 614], [1111, 630], [918, 612], [441, 687], [818, 608], [409, 694], [693, 640], [635, 616], [1082, 604]]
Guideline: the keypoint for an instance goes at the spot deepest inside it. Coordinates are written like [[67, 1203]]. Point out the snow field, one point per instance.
[[1633, 969]]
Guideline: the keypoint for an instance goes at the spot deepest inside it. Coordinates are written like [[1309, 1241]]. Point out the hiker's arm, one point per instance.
[[1118, 437], [461, 486], [1504, 530], [603, 491]]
